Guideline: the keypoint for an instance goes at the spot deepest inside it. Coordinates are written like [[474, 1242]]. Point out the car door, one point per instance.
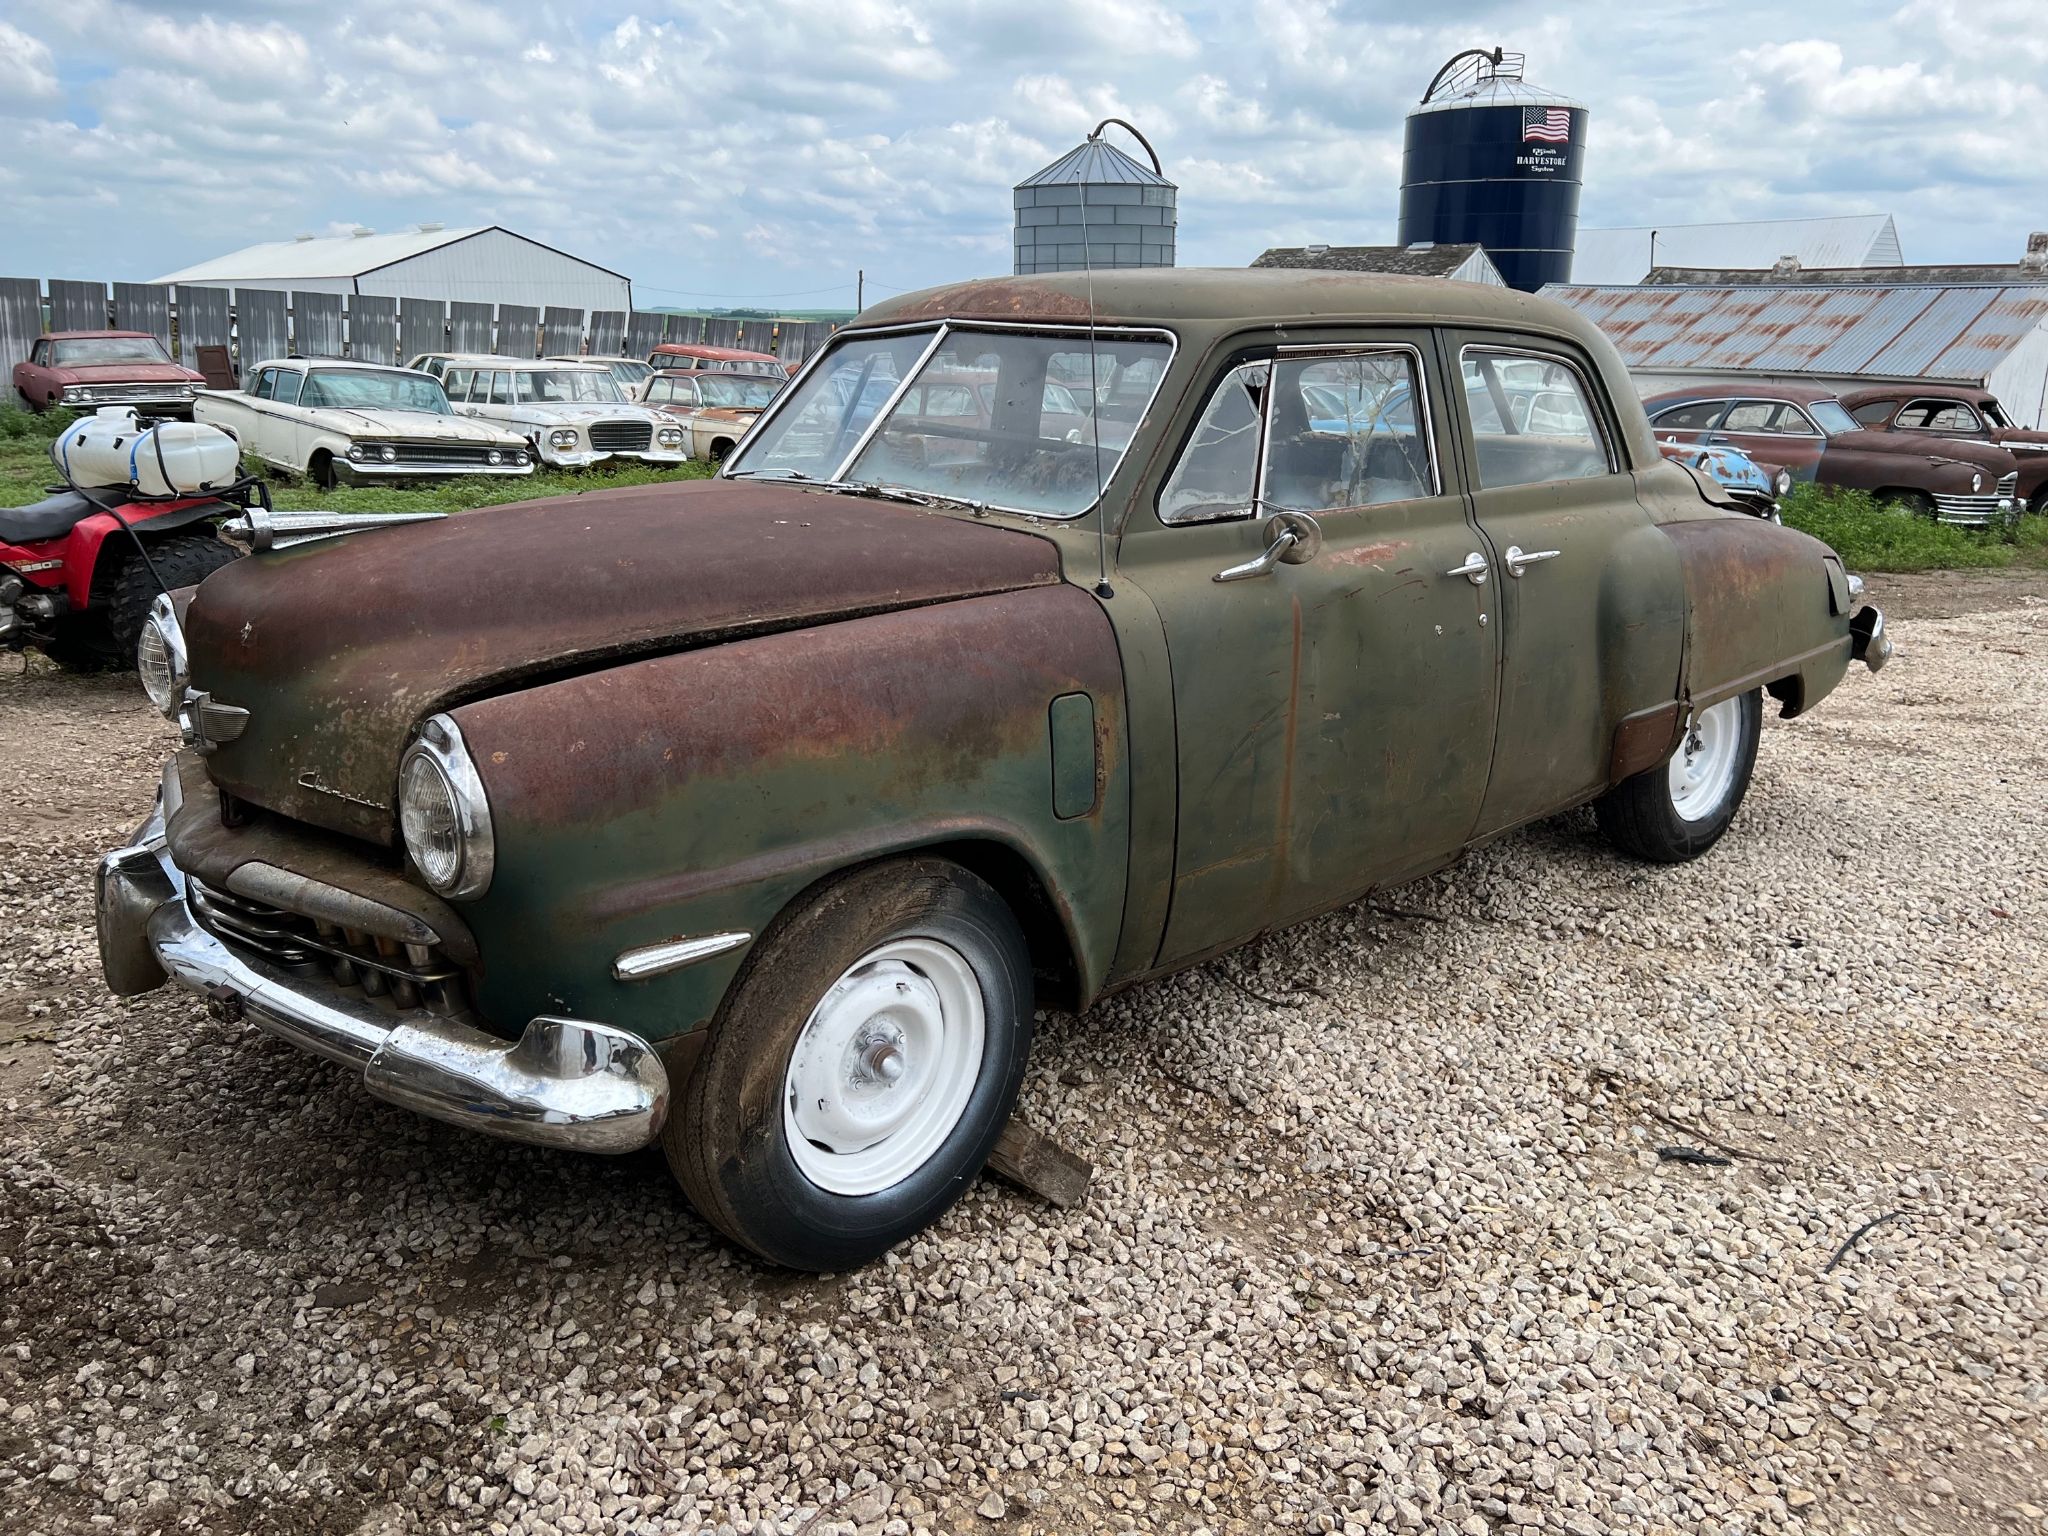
[[265, 434], [1333, 714], [1773, 432], [1589, 593]]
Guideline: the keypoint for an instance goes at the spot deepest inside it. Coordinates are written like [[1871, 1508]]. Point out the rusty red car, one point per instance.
[[1808, 429], [88, 369], [1964, 415]]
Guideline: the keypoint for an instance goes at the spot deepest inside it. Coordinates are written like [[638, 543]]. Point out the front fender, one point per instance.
[[699, 793]]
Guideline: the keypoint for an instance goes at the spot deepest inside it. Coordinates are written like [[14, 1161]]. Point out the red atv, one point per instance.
[[80, 568]]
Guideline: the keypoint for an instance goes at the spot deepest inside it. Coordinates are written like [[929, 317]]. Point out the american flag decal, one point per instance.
[[1546, 125]]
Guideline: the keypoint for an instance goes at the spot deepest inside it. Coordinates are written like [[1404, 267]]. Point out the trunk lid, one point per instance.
[[338, 649]]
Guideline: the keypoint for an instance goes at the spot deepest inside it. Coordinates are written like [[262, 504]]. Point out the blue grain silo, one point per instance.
[[1096, 207], [1493, 159]]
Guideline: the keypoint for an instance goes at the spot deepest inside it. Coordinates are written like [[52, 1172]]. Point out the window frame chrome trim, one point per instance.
[[1587, 392]]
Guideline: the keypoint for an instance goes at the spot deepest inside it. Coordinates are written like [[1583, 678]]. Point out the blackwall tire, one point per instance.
[[874, 972], [182, 559], [1678, 810]]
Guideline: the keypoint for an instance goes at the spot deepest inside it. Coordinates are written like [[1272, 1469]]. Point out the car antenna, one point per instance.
[[1102, 587]]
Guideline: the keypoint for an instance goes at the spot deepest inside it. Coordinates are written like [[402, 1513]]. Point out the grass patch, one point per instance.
[[26, 475], [1870, 537]]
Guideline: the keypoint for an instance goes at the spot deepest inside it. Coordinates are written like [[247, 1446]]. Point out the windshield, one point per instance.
[[352, 389], [1024, 447], [1832, 417], [567, 386], [736, 390], [627, 371], [109, 349]]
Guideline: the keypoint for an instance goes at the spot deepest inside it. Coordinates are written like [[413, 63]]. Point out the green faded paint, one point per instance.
[[892, 678], [1072, 725]]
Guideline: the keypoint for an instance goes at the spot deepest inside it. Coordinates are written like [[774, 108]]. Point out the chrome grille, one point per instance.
[[445, 453], [621, 436], [1979, 511], [409, 975], [113, 393]]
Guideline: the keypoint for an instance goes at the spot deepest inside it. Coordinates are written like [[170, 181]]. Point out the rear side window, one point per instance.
[[501, 389], [1696, 416], [1940, 416], [1533, 421], [1874, 413], [1751, 416]]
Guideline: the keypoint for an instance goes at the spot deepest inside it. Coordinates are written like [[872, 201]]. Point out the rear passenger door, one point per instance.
[[1589, 592]]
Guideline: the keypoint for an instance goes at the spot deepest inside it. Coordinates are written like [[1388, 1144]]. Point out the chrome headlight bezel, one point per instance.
[[439, 759], [162, 631], [1783, 484], [562, 439], [1977, 483], [669, 437]]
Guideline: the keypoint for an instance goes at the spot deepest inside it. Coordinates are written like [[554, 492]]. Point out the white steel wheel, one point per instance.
[[1704, 768], [883, 1069]]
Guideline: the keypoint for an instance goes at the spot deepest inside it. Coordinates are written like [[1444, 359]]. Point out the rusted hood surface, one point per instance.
[[338, 649]]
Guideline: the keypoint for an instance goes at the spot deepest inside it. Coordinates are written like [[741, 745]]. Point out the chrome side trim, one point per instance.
[[658, 959]]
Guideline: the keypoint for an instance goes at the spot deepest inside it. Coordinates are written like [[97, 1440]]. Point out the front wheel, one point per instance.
[[1679, 809], [861, 1069], [182, 559]]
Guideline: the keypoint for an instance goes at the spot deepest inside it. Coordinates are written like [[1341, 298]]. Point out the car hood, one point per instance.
[[339, 649], [125, 373], [407, 425]]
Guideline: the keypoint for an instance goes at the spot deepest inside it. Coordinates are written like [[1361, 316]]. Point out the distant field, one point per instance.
[[26, 474]]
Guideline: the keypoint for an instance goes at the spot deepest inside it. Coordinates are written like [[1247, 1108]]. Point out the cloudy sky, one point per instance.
[[727, 152]]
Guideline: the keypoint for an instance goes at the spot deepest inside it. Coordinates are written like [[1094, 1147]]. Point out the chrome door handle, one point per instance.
[[1518, 560], [1473, 570]]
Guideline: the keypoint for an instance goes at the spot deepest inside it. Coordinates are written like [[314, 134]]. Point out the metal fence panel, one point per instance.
[[472, 326], [721, 333], [373, 328], [143, 307], [685, 330], [76, 306], [561, 331], [316, 324], [422, 327], [21, 318], [643, 332], [262, 324], [202, 322], [607, 332], [518, 330]]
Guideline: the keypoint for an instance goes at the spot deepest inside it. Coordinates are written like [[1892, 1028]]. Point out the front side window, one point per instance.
[[659, 389], [1751, 416], [500, 388], [289, 383], [458, 382], [1218, 472], [1533, 421], [266, 383], [39, 354], [845, 421]]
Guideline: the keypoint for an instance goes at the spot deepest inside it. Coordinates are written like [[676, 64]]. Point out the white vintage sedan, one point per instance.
[[334, 421], [572, 414]]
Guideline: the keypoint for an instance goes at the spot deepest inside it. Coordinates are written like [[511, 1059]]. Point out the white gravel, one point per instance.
[[1390, 1251]]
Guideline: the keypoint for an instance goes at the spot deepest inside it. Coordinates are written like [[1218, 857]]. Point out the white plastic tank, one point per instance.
[[173, 458]]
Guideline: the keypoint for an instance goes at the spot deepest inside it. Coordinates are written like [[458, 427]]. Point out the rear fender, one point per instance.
[[700, 793]]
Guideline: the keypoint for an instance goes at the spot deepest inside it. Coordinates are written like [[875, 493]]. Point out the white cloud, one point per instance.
[[27, 70]]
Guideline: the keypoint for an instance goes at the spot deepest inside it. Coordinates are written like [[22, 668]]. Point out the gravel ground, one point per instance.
[[1380, 1238]]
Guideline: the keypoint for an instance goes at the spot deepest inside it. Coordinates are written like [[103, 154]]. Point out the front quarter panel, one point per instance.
[[699, 793]]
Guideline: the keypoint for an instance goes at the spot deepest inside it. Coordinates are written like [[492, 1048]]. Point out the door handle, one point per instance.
[[1297, 538], [1518, 560], [1473, 570]]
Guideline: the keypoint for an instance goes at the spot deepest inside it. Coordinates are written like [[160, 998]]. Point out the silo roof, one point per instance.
[[1498, 91], [1934, 331], [1096, 164]]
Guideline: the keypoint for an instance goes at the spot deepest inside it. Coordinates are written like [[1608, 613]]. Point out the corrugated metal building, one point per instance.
[[1994, 336], [1608, 256], [1463, 263], [481, 264]]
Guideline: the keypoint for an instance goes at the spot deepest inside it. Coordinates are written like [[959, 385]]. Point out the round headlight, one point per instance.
[[358, 452], [494, 457], [669, 435], [388, 454], [563, 439], [442, 812], [161, 661], [1977, 482], [1784, 482]]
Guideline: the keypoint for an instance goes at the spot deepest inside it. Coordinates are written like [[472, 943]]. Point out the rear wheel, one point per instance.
[[862, 1068], [181, 559], [1679, 809]]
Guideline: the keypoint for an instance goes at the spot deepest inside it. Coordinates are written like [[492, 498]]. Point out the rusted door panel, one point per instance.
[[1333, 718], [699, 793]]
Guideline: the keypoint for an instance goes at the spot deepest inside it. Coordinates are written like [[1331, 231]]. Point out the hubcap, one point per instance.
[[1703, 768], [884, 1067]]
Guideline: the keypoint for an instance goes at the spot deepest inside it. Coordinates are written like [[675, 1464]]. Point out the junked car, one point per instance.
[[572, 415], [1756, 488], [84, 370], [1807, 429], [336, 421], [696, 355], [715, 407], [761, 826], [629, 373], [1965, 415]]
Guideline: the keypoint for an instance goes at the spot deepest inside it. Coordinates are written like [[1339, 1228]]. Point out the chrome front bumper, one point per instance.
[[564, 1083]]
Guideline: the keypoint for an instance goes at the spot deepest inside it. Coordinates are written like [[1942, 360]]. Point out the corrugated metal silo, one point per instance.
[[1493, 159], [1096, 207]]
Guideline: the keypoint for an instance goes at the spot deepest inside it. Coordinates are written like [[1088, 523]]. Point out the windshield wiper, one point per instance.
[[771, 473], [877, 492]]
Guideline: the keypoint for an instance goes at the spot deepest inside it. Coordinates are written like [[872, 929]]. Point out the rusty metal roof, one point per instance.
[[1958, 333]]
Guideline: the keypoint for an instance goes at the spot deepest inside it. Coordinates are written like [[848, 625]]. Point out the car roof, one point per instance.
[[91, 335], [341, 362], [495, 360], [721, 354], [593, 357], [1743, 389], [1855, 397]]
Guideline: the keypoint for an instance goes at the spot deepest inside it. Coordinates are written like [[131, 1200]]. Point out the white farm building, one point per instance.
[[478, 264]]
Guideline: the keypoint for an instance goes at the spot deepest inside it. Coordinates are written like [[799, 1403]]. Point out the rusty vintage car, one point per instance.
[[84, 370], [1808, 429], [757, 815], [1966, 415]]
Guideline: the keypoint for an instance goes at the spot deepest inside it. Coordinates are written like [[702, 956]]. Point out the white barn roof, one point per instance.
[[483, 263], [1606, 257]]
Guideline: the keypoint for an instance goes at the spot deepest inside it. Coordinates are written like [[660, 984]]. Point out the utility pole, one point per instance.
[[860, 289]]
